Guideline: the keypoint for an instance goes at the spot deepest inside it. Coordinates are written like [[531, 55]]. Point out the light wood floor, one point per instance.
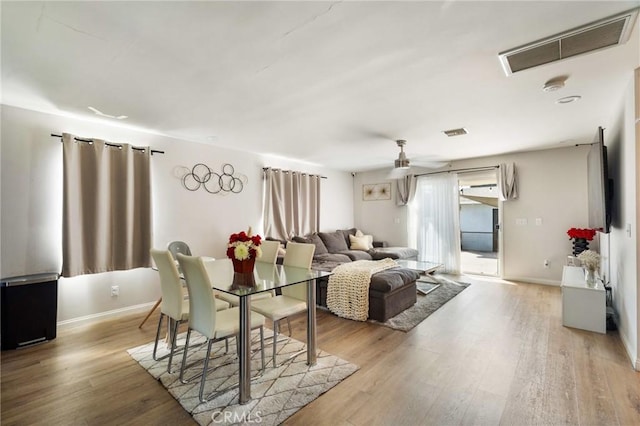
[[495, 354]]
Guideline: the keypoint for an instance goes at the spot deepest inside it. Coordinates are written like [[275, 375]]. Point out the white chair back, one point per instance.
[[170, 284], [269, 252], [220, 271], [202, 311], [299, 255]]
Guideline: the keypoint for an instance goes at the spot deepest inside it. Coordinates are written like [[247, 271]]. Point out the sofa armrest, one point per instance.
[[380, 244]]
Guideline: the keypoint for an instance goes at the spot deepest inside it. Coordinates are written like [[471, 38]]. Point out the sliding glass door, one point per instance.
[[479, 223]]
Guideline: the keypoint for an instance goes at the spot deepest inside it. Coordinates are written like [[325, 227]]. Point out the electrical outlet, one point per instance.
[[115, 291], [546, 263]]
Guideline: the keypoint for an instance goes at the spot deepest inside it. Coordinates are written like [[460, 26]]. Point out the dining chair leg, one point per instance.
[[184, 357], [226, 345], [204, 371], [275, 340], [155, 346], [289, 326], [174, 337], [262, 347]]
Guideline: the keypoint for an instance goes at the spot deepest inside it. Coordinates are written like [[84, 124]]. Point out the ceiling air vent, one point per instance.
[[455, 132], [597, 35]]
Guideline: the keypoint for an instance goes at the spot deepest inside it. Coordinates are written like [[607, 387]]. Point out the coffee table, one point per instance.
[[425, 269]]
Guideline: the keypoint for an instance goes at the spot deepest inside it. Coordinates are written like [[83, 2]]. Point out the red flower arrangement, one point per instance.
[[243, 246], [586, 234]]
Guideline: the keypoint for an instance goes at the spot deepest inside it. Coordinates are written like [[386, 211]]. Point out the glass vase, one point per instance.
[[590, 277]]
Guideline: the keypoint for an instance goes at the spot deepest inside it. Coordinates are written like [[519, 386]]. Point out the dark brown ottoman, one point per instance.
[[390, 292]]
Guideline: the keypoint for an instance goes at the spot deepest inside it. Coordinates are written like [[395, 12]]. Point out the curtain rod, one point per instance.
[[264, 169], [153, 151], [469, 169]]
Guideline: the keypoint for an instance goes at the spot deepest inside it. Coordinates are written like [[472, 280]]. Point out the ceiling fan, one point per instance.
[[401, 166]]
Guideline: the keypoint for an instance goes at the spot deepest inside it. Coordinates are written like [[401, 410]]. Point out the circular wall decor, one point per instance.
[[201, 175]]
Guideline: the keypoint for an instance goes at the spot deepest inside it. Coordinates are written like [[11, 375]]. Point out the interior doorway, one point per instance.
[[479, 223]]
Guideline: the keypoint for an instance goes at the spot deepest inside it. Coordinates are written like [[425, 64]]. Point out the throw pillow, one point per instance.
[[364, 242], [345, 233], [315, 240], [334, 241]]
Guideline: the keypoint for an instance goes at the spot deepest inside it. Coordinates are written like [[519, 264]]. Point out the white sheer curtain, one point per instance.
[[434, 220]]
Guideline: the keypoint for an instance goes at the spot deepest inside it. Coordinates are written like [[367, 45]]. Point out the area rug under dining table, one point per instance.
[[276, 395]]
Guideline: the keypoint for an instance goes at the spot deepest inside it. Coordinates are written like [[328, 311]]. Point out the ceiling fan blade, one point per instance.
[[430, 164], [398, 173]]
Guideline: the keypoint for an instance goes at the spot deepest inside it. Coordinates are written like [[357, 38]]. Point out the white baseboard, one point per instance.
[[635, 362], [103, 315], [542, 281]]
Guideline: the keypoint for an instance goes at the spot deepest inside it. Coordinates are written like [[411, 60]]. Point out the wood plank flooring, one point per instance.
[[497, 354]]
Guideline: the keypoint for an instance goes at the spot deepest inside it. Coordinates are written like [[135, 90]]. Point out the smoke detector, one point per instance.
[[554, 84]]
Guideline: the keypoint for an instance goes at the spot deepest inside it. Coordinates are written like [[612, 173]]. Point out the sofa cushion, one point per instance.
[[315, 240], [356, 254], [393, 253], [346, 232], [331, 257], [334, 241]]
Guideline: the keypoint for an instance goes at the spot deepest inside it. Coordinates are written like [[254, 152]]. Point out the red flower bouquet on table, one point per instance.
[[243, 249], [581, 238], [586, 233]]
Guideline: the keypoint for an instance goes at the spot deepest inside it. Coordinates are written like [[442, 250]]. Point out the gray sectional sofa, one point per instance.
[[390, 292]]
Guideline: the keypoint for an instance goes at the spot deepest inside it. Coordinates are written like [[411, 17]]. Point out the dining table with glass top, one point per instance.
[[267, 277]]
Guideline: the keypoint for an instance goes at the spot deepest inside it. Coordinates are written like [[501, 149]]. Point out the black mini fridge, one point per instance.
[[29, 309]]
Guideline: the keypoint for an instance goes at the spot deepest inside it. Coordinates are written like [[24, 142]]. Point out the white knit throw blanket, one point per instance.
[[348, 288]]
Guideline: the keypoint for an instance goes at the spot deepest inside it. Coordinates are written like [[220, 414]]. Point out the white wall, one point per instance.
[[552, 187], [380, 218], [620, 140], [31, 211]]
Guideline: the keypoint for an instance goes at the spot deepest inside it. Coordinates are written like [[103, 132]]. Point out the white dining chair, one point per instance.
[[293, 299], [173, 305], [269, 250], [205, 320]]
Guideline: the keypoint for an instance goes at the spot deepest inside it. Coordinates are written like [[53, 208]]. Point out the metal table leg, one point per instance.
[[244, 341], [311, 322]]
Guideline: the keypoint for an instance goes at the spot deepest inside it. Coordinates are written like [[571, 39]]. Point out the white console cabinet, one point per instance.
[[583, 307]]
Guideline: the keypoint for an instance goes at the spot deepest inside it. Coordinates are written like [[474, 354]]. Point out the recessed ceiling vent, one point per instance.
[[455, 132], [597, 35]]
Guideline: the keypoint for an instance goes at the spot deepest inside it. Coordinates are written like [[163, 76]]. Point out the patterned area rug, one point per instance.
[[277, 394], [426, 304]]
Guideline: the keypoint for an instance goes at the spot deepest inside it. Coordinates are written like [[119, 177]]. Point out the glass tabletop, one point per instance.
[[418, 265], [267, 277]]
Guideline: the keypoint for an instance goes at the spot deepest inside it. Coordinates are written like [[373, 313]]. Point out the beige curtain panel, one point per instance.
[[292, 203], [406, 190], [106, 207], [508, 182]]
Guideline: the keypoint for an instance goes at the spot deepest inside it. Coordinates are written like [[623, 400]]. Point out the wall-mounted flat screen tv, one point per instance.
[[599, 185]]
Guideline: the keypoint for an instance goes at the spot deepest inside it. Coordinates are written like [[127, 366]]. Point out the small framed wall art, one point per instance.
[[376, 191]]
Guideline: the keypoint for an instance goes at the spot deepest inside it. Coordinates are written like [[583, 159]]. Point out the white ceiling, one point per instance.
[[331, 83]]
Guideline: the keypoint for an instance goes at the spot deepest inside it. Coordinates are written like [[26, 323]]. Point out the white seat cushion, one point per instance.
[[228, 322], [279, 307]]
